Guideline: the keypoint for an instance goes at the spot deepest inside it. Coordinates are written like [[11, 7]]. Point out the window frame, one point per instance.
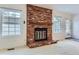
[[9, 10], [57, 24]]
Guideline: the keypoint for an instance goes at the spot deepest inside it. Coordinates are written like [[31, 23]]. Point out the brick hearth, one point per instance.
[[38, 17]]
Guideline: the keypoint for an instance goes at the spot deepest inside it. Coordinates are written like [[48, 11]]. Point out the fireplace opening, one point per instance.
[[40, 34]]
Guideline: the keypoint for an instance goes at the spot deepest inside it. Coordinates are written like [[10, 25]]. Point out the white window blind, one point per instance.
[[57, 24], [10, 23]]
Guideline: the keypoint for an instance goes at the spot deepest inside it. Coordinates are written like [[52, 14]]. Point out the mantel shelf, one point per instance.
[[40, 23]]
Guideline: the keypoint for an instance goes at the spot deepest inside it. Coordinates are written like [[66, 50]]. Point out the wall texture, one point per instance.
[[38, 17]]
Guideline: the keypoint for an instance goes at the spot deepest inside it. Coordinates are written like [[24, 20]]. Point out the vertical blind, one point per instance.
[[10, 22]]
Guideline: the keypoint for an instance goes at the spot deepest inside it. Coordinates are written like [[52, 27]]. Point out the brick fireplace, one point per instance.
[[39, 26]]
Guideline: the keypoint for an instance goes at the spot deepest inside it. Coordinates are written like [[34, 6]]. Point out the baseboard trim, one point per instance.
[[68, 38], [13, 48]]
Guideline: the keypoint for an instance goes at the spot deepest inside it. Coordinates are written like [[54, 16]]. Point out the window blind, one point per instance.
[[10, 22]]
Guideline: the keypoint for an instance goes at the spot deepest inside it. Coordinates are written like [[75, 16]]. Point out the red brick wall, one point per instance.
[[41, 18]]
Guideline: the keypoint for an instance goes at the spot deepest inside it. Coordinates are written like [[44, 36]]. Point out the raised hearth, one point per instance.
[[39, 27]]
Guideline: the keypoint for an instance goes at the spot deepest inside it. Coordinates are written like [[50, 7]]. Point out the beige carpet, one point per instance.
[[65, 47]]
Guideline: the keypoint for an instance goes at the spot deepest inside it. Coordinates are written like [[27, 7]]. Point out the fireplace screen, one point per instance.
[[40, 34]]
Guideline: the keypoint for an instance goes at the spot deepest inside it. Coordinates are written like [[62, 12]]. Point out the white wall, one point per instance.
[[76, 27], [65, 16], [9, 42]]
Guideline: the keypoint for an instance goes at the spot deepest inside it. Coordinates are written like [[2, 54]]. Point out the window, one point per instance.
[[10, 22], [56, 24], [68, 27]]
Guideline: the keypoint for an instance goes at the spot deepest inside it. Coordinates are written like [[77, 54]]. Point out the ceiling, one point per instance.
[[70, 8]]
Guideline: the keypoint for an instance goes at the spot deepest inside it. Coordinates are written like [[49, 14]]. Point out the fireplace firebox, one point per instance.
[[40, 34]]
